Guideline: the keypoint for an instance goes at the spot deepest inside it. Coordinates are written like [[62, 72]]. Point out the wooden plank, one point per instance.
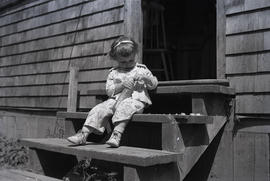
[[94, 33], [243, 84], [134, 23], [261, 165], [7, 176], [254, 83], [187, 88], [73, 89], [41, 79], [23, 7], [48, 102], [238, 6], [123, 154], [244, 147], [38, 102], [46, 85], [86, 63], [19, 175], [235, 23], [65, 27], [222, 169], [253, 104], [89, 36], [154, 173], [152, 118], [247, 22], [25, 175], [253, 124], [242, 64], [48, 90], [99, 48], [262, 83], [194, 89], [59, 16], [220, 40], [47, 19], [196, 140], [246, 43], [37, 10], [263, 62], [223, 82], [101, 5]]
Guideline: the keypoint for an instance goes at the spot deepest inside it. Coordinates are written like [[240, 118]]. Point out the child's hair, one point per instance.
[[123, 46]]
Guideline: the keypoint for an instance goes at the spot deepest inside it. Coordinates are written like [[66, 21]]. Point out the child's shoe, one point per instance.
[[115, 139], [78, 139]]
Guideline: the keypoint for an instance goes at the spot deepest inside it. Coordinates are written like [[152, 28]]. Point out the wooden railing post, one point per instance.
[[73, 89]]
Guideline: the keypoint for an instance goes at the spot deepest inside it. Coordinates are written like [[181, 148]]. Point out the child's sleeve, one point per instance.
[[153, 82], [110, 87]]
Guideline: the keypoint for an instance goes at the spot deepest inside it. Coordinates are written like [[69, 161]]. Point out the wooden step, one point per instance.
[[123, 154], [21, 175], [151, 118], [204, 86]]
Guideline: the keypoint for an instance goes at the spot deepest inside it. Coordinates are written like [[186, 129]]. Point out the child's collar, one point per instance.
[[126, 68]]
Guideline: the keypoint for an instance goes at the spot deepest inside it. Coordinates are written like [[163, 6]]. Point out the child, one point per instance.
[[128, 76]]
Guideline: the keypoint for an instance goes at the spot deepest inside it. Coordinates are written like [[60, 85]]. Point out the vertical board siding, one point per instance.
[[40, 41], [251, 157], [244, 157], [248, 53]]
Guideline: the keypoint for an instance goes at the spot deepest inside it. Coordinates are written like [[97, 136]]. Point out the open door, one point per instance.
[[179, 38]]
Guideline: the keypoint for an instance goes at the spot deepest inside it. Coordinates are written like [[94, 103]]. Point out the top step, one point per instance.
[[203, 86], [151, 118], [123, 154]]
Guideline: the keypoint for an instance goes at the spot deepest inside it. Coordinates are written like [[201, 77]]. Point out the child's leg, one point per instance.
[[120, 126], [122, 115], [98, 117], [95, 121], [126, 109]]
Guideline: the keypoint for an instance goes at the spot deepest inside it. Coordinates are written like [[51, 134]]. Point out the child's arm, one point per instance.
[[148, 78], [115, 86]]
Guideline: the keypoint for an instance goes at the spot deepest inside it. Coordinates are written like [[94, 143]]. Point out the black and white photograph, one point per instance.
[[135, 90]]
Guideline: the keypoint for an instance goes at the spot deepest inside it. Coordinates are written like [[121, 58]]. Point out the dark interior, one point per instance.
[[188, 41]]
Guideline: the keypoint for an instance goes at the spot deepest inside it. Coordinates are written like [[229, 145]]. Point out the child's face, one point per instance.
[[127, 61]]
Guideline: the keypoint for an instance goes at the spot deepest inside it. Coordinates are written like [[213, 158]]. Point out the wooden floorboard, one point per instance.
[[21, 175]]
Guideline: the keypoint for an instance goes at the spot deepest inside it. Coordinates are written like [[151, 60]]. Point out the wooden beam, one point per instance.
[[73, 89], [221, 40], [134, 23]]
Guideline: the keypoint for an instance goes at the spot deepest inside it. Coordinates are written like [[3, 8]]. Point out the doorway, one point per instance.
[[179, 39]]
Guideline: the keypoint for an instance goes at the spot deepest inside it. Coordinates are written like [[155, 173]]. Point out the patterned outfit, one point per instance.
[[98, 117]]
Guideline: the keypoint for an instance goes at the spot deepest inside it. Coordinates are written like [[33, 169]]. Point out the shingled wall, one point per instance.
[[40, 40], [248, 54]]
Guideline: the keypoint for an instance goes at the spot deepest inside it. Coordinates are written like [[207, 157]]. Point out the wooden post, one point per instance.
[[73, 89], [221, 40], [134, 24], [209, 104], [163, 172]]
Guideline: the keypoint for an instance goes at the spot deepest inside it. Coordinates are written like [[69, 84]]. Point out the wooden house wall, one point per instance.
[[248, 54], [40, 40]]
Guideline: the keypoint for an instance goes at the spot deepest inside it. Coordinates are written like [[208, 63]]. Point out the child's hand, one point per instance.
[[128, 82], [142, 78]]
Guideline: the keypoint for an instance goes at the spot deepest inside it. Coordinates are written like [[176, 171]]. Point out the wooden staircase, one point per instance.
[[154, 146]]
